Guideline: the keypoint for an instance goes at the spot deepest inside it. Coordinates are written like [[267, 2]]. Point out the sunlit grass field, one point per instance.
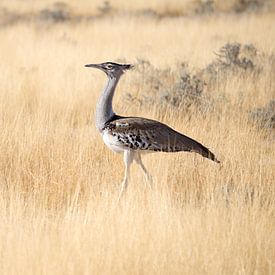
[[59, 184]]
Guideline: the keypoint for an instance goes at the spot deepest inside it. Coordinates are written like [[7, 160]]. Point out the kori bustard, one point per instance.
[[133, 136]]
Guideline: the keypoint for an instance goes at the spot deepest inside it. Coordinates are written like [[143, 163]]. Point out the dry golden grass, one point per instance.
[[59, 184]]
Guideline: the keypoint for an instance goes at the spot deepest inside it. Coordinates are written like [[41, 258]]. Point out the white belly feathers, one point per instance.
[[112, 142]]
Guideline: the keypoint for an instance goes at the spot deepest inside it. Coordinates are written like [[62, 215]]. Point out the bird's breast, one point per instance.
[[112, 142]]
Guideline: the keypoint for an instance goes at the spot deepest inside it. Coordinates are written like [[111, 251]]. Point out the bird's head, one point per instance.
[[111, 69]]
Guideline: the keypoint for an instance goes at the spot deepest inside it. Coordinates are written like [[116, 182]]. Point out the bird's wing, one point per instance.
[[146, 134]]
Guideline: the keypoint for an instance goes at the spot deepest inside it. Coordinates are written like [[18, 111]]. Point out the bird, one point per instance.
[[133, 136]]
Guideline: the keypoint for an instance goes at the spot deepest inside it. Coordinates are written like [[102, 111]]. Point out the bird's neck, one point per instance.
[[104, 108]]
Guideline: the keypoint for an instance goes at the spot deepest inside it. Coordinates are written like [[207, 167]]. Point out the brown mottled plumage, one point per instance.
[[138, 133]]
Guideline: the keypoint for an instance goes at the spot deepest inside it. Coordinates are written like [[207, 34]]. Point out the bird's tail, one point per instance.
[[206, 153]]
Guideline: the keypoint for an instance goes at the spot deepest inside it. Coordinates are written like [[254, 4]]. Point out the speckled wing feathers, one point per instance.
[[146, 134]]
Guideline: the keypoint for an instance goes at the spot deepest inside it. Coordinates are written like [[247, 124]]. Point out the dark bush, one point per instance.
[[205, 7], [248, 5], [186, 91], [232, 59], [58, 13], [164, 88], [265, 116]]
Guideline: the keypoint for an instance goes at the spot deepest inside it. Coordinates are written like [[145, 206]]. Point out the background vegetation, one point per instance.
[[207, 68]]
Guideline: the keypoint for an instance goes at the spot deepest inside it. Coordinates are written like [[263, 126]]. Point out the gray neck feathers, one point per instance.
[[104, 108]]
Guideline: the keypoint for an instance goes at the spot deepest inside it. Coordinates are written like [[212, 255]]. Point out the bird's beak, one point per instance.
[[97, 66]]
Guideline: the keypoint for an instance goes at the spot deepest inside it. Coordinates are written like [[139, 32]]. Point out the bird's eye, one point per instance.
[[109, 66]]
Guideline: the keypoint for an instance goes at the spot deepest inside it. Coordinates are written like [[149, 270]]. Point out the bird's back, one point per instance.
[[138, 133]]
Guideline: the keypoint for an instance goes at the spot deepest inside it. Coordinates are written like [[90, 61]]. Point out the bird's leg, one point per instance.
[[128, 159], [148, 177]]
